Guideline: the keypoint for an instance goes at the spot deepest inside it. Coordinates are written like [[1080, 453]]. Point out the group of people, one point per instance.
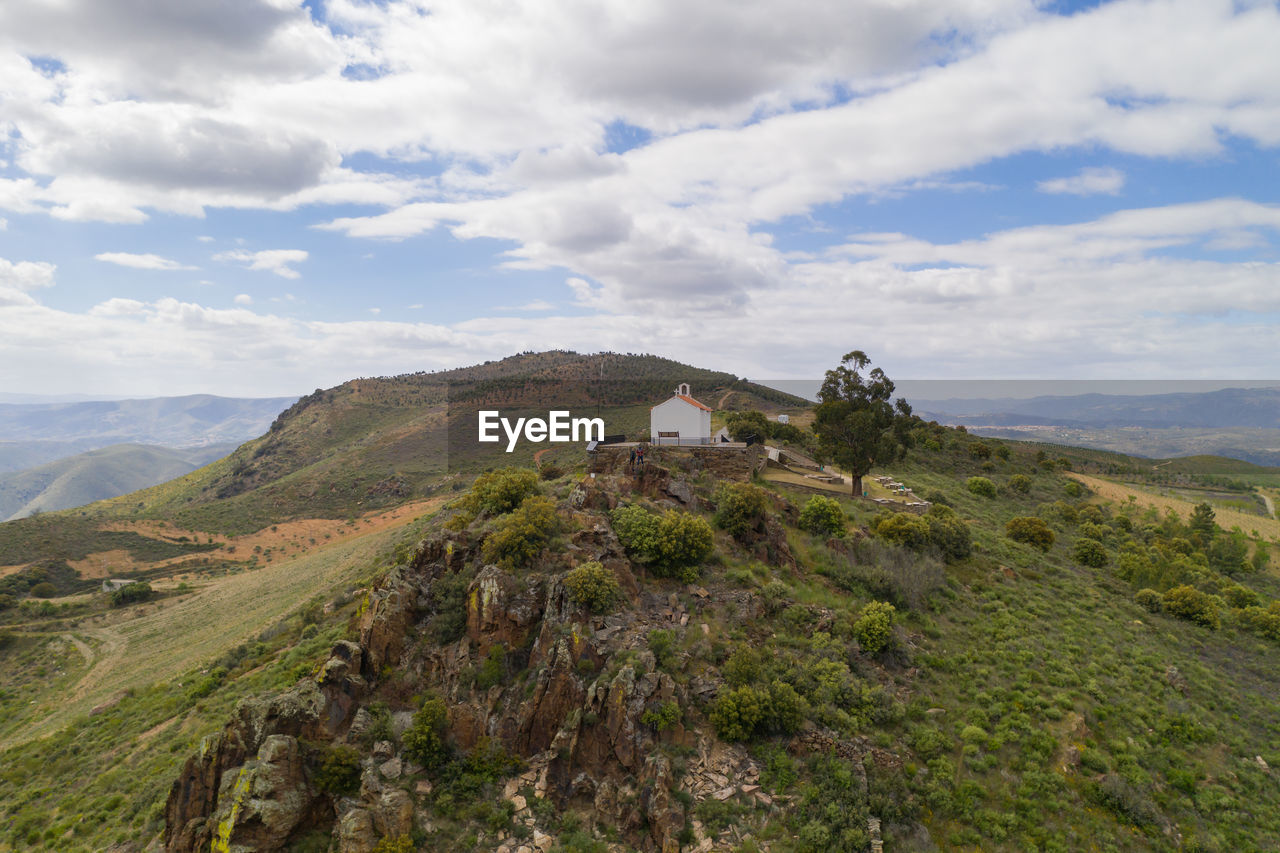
[[636, 462]]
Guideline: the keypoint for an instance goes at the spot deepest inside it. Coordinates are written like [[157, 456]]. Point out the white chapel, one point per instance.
[[680, 420]]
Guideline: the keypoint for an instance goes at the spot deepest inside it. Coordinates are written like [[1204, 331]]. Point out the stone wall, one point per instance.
[[726, 461]]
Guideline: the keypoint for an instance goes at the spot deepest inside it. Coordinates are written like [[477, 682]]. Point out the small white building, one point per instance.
[[784, 419], [680, 420]]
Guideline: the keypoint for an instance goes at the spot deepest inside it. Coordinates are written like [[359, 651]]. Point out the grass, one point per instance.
[[1121, 493]]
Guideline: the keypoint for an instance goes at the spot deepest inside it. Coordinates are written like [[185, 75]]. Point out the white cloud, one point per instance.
[[277, 261], [1105, 298], [141, 262], [243, 299], [534, 305], [16, 279], [1090, 181], [205, 238]]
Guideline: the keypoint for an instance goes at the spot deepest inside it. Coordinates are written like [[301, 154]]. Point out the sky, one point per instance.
[[263, 197]]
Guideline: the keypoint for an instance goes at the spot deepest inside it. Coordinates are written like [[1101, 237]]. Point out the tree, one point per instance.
[[857, 427], [1203, 522], [744, 425]]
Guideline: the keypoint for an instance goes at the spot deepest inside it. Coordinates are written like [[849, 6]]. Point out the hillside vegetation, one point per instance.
[[687, 657], [97, 475]]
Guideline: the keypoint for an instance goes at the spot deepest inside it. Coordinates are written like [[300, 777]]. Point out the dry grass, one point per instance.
[[1226, 518], [157, 642]]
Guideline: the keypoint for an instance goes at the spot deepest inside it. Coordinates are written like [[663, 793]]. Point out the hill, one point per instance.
[[377, 442], [97, 475], [682, 658]]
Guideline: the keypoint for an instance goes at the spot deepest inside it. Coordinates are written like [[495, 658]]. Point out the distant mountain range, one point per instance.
[[1240, 423], [1230, 407], [56, 455], [98, 474], [192, 421]]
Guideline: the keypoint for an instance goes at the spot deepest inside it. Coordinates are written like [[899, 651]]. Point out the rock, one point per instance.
[[1261, 763], [542, 841], [265, 800], [422, 788], [390, 769], [680, 490], [197, 794], [724, 793], [394, 814], [355, 832], [519, 802], [383, 750]]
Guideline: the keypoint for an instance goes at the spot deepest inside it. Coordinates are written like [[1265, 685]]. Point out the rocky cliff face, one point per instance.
[[577, 702]]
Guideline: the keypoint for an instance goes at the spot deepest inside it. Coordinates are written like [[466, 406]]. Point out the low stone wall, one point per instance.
[[726, 461]]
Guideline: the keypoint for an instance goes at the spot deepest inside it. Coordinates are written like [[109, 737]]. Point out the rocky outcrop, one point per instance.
[[267, 800], [572, 701], [246, 785]]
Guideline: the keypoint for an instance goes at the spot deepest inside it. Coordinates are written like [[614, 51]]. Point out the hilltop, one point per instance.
[[694, 657]]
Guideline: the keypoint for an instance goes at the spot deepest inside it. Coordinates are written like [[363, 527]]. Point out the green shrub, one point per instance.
[[742, 667], [736, 713], [396, 844], [1187, 602], [929, 743], [740, 507], [7, 601], [662, 642], [683, 541], [1031, 531], [1073, 489], [822, 516], [905, 529], [1020, 483], [131, 594], [1240, 596], [1149, 599], [44, 589], [424, 739], [662, 717], [671, 544], [1090, 552], [493, 669], [874, 627], [339, 772], [981, 486], [520, 536], [948, 533], [784, 711], [1264, 622], [550, 471], [449, 599], [501, 491], [594, 587]]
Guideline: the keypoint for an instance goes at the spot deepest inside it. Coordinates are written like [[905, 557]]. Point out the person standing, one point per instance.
[[631, 461]]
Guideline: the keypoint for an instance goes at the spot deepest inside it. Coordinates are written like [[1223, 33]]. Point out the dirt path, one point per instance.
[[162, 640], [537, 457], [85, 650], [725, 396], [113, 648], [1266, 499]]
